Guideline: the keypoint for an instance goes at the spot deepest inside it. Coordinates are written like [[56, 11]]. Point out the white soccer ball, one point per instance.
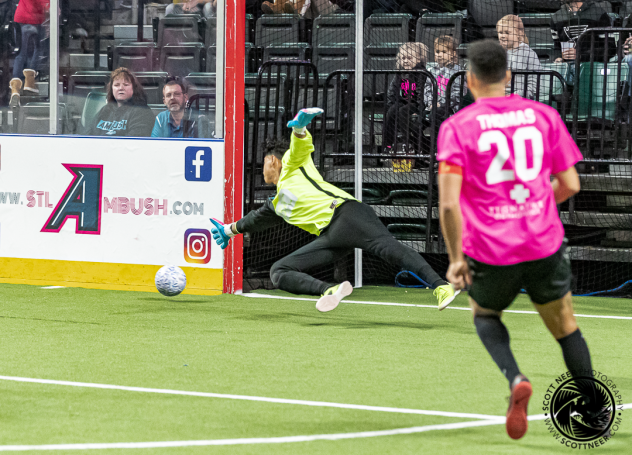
[[170, 280]]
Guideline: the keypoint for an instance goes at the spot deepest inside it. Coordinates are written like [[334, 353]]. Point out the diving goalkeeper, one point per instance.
[[340, 222]]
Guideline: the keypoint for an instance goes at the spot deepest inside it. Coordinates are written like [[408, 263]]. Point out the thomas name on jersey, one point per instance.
[[506, 119]]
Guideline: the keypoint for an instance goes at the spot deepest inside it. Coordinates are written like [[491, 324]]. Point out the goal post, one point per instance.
[[234, 35]]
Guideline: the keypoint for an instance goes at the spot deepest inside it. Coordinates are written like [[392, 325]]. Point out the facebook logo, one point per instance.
[[197, 164]]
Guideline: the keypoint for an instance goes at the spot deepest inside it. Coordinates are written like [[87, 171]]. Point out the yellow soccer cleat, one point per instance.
[[332, 296], [445, 295]]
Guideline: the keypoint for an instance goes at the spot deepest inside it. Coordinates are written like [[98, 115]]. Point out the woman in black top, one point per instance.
[[126, 112]]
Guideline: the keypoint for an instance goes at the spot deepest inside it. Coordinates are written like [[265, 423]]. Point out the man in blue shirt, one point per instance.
[[169, 122]]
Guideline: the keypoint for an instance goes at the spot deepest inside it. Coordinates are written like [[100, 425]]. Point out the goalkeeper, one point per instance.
[[339, 221]]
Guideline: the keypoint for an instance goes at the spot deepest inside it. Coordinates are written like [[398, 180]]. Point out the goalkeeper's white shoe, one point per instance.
[[332, 297], [445, 295]]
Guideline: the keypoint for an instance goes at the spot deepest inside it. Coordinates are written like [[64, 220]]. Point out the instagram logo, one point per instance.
[[197, 248]]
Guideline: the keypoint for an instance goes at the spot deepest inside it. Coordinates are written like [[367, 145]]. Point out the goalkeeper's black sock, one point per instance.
[[438, 283], [495, 338], [576, 354]]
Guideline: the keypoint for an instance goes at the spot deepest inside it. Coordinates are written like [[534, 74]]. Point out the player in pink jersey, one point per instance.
[[498, 214]]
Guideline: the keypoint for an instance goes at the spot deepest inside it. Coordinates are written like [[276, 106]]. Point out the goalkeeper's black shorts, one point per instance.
[[496, 286]]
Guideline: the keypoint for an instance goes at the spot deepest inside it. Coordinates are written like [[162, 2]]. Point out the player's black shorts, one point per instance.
[[496, 286]]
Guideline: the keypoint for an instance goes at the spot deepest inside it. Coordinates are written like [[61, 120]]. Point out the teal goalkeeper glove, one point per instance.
[[304, 118], [222, 233]]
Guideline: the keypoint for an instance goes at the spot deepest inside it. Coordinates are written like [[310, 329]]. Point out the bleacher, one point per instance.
[[401, 187]]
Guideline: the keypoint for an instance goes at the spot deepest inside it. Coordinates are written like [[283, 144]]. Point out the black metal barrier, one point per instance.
[[601, 102]]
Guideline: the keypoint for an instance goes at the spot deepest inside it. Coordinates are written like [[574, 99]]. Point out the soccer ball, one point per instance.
[[170, 280]]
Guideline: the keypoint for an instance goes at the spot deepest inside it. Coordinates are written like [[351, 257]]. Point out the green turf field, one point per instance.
[[237, 352]]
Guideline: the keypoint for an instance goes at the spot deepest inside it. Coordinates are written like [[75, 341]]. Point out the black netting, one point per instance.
[[571, 56]]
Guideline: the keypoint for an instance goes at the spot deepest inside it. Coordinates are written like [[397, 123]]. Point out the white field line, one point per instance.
[[274, 440], [324, 404], [53, 287], [277, 440], [366, 302]]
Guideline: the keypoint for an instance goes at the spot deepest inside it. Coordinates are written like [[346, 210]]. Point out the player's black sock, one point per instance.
[[495, 337], [438, 283], [576, 354]]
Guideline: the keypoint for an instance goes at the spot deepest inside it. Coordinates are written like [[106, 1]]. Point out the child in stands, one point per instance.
[[405, 96], [520, 57], [446, 58]]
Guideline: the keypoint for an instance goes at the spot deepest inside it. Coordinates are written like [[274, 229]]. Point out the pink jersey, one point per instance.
[[508, 148]]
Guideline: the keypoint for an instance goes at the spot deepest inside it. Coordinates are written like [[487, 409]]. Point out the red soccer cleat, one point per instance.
[[517, 413]]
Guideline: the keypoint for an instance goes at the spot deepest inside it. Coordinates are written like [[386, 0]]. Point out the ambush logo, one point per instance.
[[82, 201], [112, 127]]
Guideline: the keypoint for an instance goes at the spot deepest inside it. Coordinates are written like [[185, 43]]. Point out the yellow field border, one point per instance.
[[103, 275]]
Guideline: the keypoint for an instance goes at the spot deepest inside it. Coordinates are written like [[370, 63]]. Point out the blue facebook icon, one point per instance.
[[198, 164]]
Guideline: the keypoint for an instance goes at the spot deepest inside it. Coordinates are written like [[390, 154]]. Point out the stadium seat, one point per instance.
[[210, 32], [136, 57], [250, 23], [407, 231], [211, 59], [486, 13], [80, 85], [334, 107], [287, 51], [370, 196], [407, 197], [433, 25], [249, 57], [277, 29], [201, 83], [180, 60], [274, 129], [591, 102], [94, 103], [176, 30], [270, 90], [332, 57], [386, 28], [537, 27], [333, 29], [157, 108], [152, 82], [379, 57], [34, 118], [545, 81]]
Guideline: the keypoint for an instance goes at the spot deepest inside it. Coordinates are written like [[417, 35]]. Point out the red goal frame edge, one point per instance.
[[235, 50]]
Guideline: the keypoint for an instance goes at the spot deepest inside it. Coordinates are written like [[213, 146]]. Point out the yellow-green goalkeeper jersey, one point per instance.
[[303, 198]]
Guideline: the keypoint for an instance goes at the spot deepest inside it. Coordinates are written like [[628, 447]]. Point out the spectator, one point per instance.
[[405, 95], [520, 57], [204, 8], [314, 8], [569, 22], [446, 57], [169, 122], [307, 8], [30, 14], [126, 112]]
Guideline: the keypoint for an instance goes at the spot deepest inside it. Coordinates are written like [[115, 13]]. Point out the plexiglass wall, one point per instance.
[[115, 77]]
